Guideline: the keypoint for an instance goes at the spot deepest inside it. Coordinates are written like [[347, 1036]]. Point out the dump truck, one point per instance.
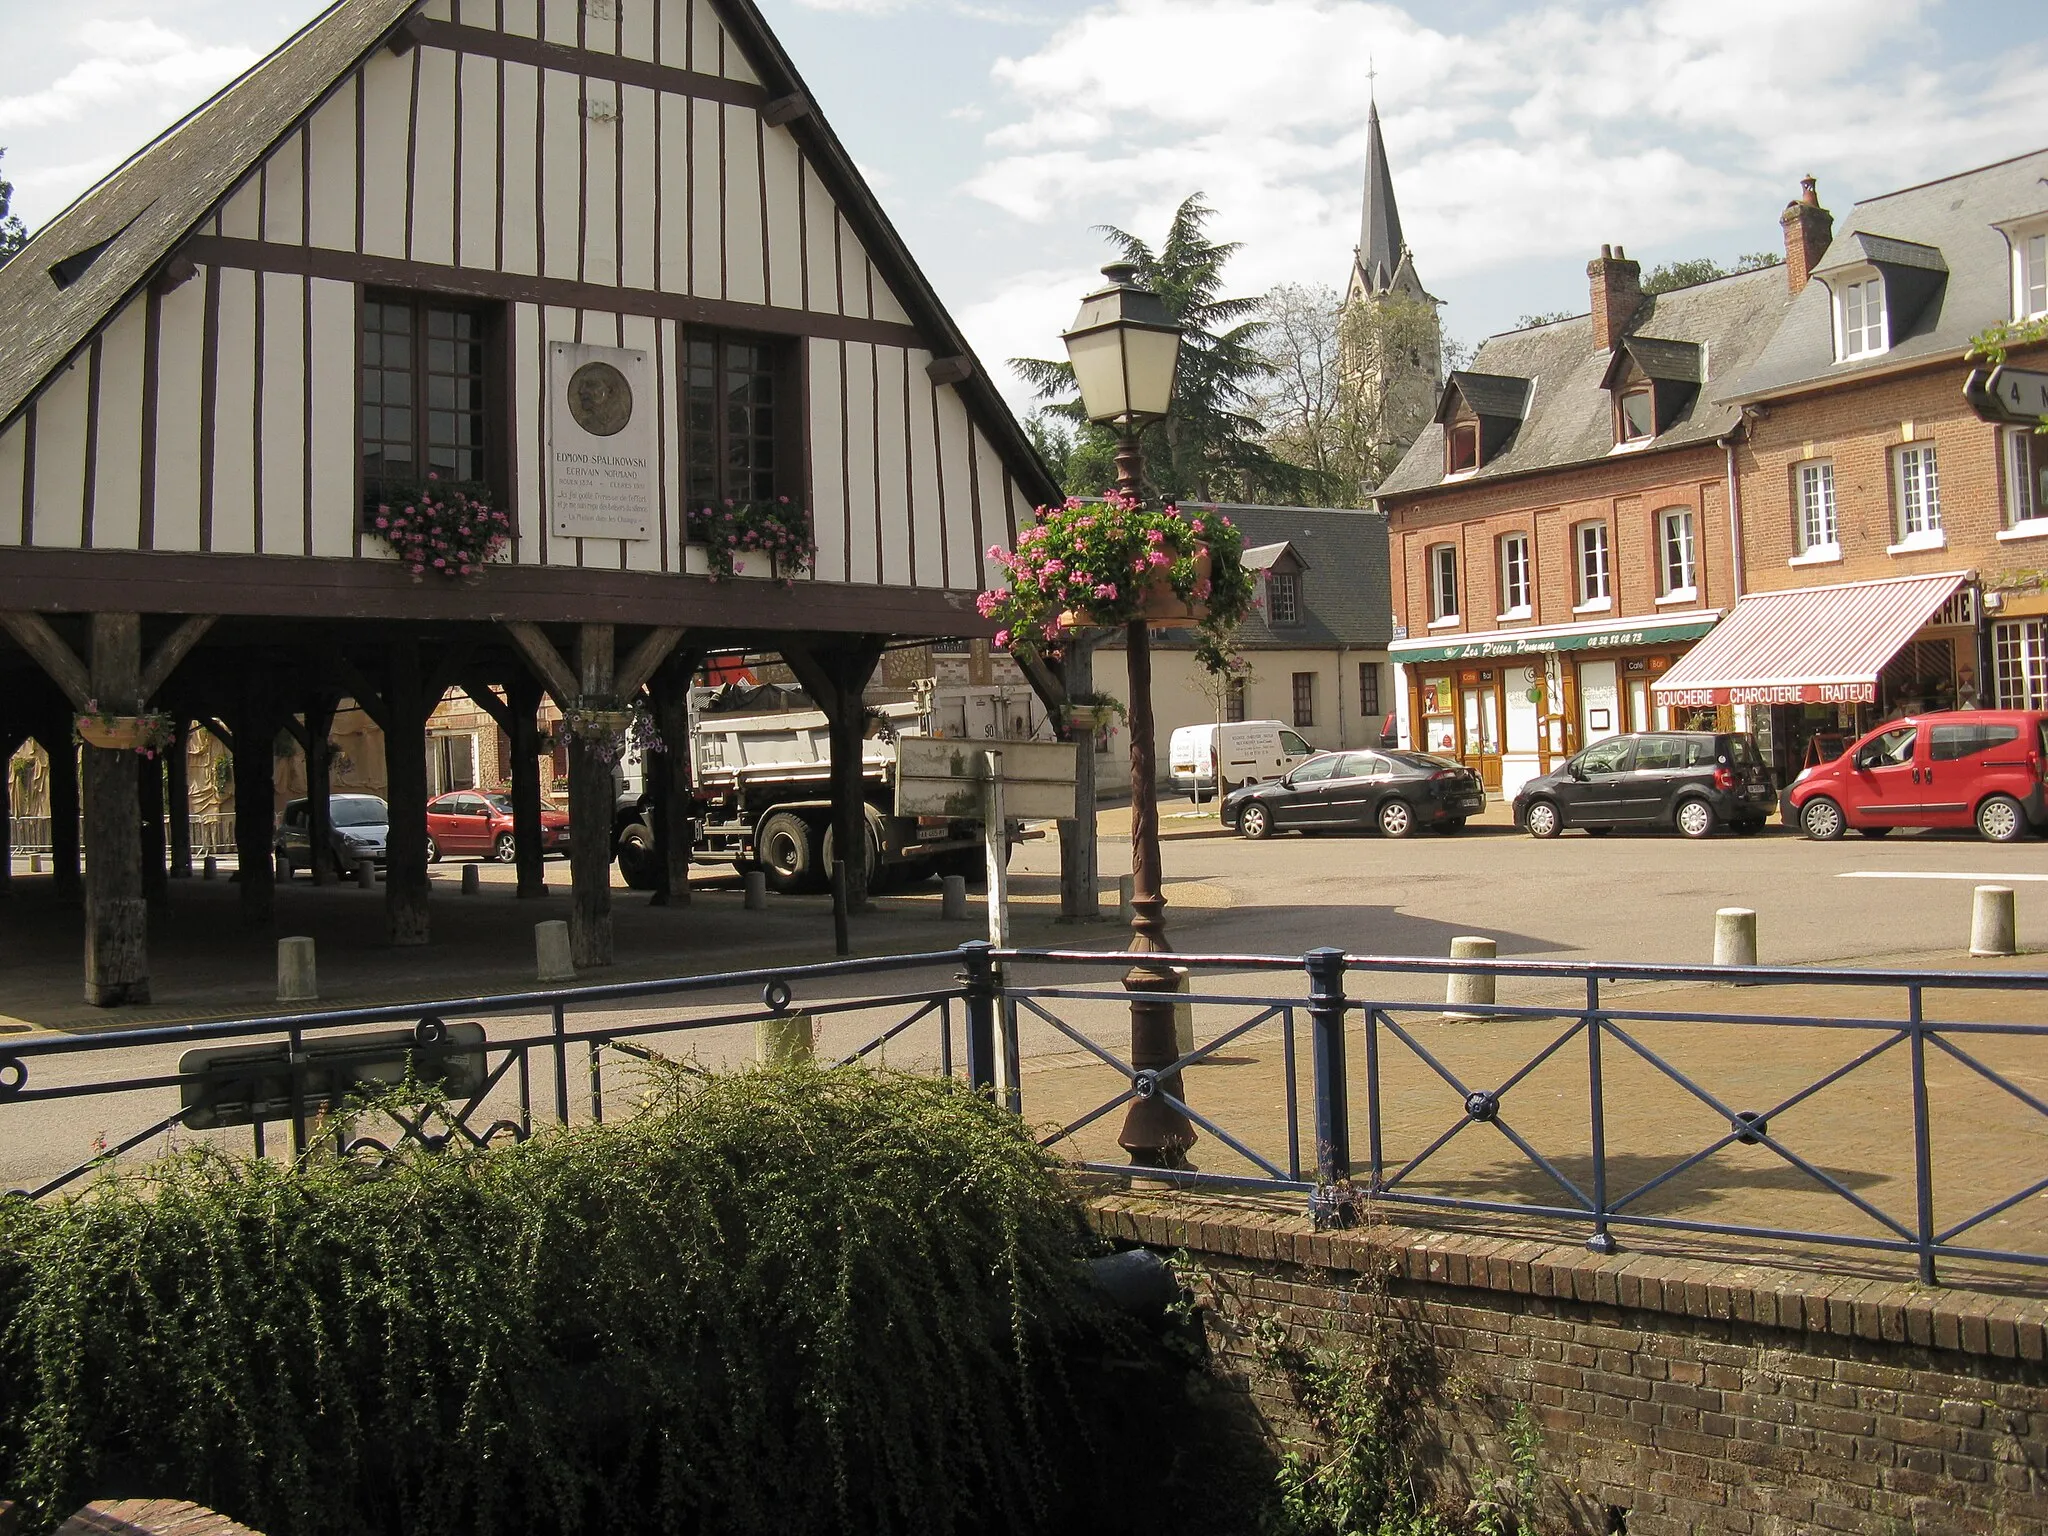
[[761, 794]]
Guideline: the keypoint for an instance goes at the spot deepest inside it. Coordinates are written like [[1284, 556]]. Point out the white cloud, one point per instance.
[[1533, 135], [126, 61]]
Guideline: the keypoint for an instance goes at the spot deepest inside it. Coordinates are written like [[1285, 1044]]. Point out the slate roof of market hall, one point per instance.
[[1569, 417]]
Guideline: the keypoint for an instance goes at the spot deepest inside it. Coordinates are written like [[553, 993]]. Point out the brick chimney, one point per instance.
[[1617, 295], [1808, 230]]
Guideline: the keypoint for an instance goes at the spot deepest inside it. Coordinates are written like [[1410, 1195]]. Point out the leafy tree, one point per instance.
[[1546, 317], [1211, 448], [1704, 269], [13, 235], [1321, 401]]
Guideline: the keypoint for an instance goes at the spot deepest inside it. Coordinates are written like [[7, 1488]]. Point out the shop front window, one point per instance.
[[2019, 649]]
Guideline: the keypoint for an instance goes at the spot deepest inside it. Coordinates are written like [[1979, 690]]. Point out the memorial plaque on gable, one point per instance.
[[601, 425]]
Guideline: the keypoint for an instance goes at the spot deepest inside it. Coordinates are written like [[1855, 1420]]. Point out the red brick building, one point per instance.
[[1562, 532], [1891, 538]]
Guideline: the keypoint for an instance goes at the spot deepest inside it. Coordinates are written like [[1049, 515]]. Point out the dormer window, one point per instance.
[[1464, 448], [1860, 318], [1882, 288], [1638, 423], [1480, 414], [1283, 598], [1653, 381]]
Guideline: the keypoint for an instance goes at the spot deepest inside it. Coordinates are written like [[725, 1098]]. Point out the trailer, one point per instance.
[[761, 787]]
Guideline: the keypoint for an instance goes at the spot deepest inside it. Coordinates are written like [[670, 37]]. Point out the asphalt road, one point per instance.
[[1900, 902], [1904, 899]]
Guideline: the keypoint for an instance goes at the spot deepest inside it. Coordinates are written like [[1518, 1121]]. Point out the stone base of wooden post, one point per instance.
[[297, 976], [785, 1041], [551, 951]]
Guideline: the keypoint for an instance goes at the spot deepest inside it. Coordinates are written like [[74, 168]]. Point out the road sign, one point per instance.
[[2016, 395], [943, 776]]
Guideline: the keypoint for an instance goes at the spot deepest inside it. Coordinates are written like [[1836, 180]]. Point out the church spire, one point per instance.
[[1379, 240]]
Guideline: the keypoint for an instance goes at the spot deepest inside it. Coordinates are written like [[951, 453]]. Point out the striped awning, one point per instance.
[[1811, 645]]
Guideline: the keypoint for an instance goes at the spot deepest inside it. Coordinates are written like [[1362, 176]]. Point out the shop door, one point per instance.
[[1480, 707], [1599, 702]]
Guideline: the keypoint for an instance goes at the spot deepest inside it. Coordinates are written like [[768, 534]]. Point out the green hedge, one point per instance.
[[786, 1301]]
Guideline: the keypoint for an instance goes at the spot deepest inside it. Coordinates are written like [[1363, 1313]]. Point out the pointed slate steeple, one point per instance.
[[1380, 245]]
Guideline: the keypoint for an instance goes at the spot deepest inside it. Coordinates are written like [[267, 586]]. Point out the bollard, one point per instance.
[[1124, 890], [1735, 936], [757, 890], [282, 864], [551, 951], [1183, 1014], [1994, 927], [366, 875], [1463, 992], [472, 880], [210, 869], [953, 899], [297, 980], [785, 1041], [35, 863]]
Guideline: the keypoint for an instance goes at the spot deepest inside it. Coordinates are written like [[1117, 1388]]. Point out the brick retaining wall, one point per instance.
[[1673, 1395]]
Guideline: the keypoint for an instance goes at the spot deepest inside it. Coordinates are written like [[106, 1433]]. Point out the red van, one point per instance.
[[1958, 768]]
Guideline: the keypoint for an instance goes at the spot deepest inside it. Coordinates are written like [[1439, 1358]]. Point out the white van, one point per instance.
[[1245, 752]]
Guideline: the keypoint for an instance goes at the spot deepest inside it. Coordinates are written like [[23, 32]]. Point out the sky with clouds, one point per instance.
[[999, 132]]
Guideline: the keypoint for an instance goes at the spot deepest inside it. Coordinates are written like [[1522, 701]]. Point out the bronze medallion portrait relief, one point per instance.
[[600, 399]]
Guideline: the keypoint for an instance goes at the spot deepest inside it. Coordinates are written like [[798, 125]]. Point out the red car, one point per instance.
[[469, 823], [1986, 768]]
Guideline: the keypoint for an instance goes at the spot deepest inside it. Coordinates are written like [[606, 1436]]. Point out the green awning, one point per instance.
[[1542, 642]]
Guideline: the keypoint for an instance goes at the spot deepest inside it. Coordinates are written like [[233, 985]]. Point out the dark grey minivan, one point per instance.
[[1692, 780]]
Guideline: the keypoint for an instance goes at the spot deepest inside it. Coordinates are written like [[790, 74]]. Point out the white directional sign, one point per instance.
[[939, 776], [2017, 395]]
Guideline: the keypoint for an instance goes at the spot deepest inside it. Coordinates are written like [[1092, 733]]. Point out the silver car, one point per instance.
[[359, 826]]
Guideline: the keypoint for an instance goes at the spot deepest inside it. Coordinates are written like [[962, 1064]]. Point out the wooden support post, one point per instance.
[[320, 785], [522, 696], [10, 741], [149, 804], [63, 755], [837, 681], [178, 794], [406, 706], [593, 799], [116, 920], [675, 830]]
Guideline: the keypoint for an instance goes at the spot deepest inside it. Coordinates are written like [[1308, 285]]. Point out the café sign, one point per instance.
[[1536, 643]]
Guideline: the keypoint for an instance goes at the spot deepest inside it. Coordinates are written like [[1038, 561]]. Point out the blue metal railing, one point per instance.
[[301, 1071]]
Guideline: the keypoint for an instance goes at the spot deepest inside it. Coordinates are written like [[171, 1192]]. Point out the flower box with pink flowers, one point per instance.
[[442, 528], [750, 539], [1107, 563]]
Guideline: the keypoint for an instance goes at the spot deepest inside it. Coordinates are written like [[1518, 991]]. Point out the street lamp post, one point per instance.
[[1125, 348]]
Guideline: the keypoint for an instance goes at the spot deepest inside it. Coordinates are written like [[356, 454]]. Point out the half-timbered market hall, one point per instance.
[[446, 349]]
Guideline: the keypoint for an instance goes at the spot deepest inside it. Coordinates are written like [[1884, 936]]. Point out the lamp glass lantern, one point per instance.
[[1124, 347]]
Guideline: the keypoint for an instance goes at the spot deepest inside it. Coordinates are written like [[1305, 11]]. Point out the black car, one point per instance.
[[1394, 791], [359, 826], [1692, 780]]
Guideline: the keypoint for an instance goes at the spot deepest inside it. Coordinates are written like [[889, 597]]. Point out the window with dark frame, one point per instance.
[[1462, 447], [1368, 690], [424, 394], [1304, 700], [1233, 700], [730, 416], [1283, 597], [1636, 417]]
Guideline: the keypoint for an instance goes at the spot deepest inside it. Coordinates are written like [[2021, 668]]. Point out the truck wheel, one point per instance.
[[787, 849], [636, 857], [881, 877]]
